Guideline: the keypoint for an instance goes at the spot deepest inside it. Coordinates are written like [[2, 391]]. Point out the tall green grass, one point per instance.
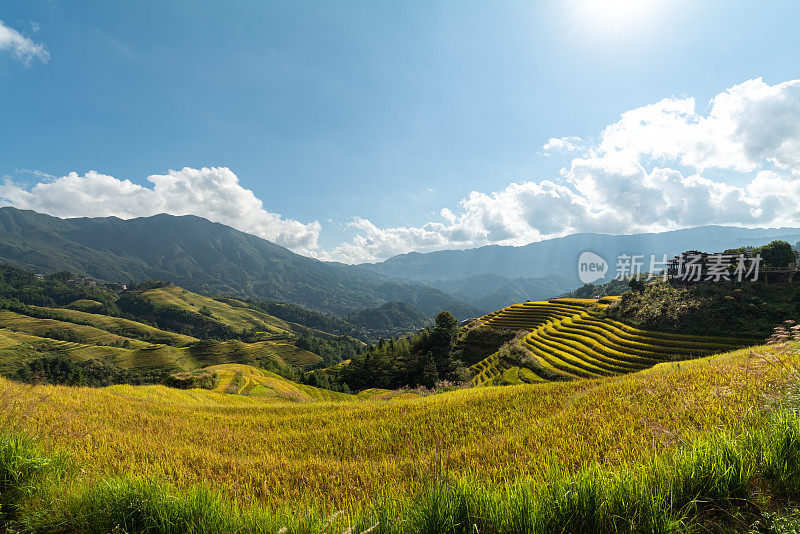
[[22, 470], [717, 480]]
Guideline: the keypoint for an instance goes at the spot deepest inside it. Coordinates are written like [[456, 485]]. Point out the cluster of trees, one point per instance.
[[332, 350], [423, 359], [301, 315], [53, 290], [61, 370], [592, 291], [774, 254], [746, 311], [197, 379], [481, 342], [389, 316], [325, 380]]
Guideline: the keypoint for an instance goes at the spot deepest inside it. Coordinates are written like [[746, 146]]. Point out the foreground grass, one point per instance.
[[278, 451], [500, 458], [718, 482]]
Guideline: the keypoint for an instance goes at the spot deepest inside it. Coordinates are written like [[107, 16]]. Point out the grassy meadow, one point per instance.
[[286, 454]]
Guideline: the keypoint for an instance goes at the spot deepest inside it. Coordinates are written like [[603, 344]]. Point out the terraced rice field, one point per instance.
[[567, 341], [495, 367], [123, 327], [237, 379], [232, 312], [45, 327]]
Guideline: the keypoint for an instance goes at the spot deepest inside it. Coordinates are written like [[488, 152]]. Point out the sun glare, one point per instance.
[[614, 16]]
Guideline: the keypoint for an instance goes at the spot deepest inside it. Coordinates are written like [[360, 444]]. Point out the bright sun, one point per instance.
[[614, 15]]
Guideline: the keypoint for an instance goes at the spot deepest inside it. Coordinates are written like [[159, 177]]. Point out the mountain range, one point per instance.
[[494, 276], [203, 256], [217, 259]]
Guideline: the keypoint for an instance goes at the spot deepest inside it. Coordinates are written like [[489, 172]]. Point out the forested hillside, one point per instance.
[[390, 316]]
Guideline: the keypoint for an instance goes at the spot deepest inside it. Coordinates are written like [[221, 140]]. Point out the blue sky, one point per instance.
[[356, 123]]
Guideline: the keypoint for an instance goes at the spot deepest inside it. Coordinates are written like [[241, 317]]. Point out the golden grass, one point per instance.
[[283, 452]]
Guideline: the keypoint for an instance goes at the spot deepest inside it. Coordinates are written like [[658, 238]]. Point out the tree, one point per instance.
[[429, 372], [442, 341], [636, 285], [778, 254]]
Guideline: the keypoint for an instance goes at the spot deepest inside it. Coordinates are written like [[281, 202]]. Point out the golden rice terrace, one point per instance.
[[565, 339]]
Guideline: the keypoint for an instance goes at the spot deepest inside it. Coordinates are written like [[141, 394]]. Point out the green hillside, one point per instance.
[[233, 313], [143, 333], [750, 310], [124, 327]]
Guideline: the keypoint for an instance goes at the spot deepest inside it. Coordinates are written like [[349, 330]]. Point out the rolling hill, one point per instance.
[[164, 329], [202, 256]]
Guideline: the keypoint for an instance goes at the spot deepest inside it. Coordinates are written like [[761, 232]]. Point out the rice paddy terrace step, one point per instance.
[[567, 341]]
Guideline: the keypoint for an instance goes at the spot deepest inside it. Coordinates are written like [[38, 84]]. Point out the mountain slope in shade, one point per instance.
[[201, 256], [492, 292], [390, 316]]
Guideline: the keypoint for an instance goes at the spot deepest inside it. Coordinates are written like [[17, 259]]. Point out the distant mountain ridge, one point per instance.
[[494, 276], [492, 292], [216, 259], [202, 256]]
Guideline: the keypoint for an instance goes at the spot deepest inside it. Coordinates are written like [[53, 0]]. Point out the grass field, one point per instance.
[[566, 340], [620, 419], [277, 451]]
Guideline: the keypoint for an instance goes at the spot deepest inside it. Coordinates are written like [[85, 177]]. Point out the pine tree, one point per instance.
[[429, 373], [442, 342]]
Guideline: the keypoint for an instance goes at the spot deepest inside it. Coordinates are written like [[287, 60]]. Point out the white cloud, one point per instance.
[[650, 171], [562, 144], [659, 167], [747, 126], [213, 193], [20, 46]]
